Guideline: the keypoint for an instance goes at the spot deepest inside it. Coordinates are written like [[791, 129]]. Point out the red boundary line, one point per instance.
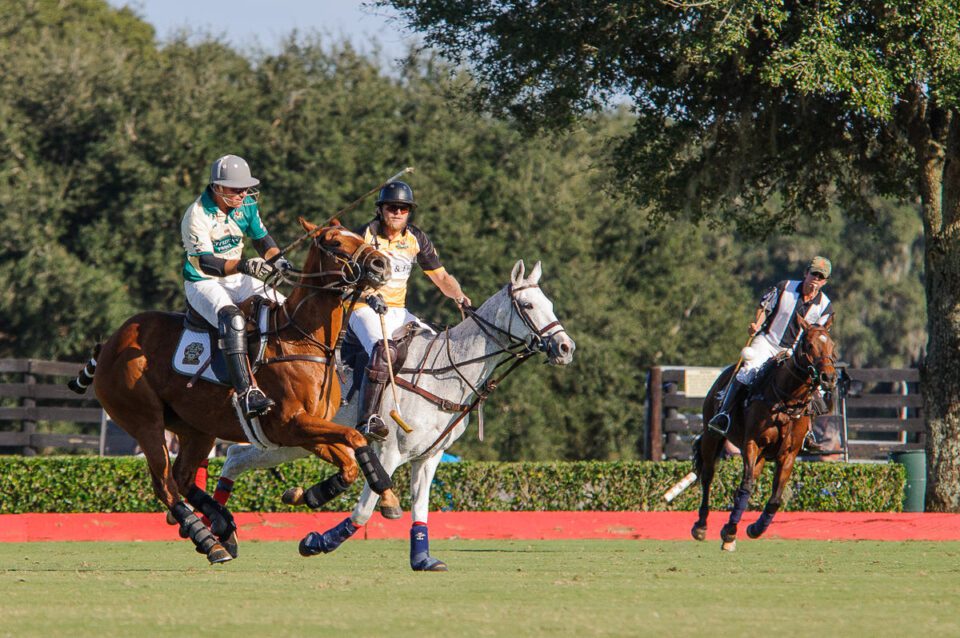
[[492, 525]]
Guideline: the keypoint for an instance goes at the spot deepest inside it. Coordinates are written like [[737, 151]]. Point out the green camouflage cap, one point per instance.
[[820, 265]]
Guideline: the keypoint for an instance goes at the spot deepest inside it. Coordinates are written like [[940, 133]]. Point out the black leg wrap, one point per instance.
[[221, 520], [191, 527], [376, 476], [324, 491]]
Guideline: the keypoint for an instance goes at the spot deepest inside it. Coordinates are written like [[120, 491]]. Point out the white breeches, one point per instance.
[[210, 296], [365, 323], [755, 355]]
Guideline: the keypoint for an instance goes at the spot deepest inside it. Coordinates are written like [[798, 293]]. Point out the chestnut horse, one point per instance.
[[135, 383], [771, 427]]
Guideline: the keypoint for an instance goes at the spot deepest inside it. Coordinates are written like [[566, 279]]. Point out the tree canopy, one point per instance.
[[110, 136]]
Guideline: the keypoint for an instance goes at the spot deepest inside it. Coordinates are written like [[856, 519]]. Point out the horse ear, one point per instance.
[[307, 226], [829, 323], [335, 222], [516, 275], [535, 274], [804, 324]]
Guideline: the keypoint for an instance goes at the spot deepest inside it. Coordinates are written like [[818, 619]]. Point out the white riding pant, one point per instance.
[[760, 350], [365, 323], [209, 296]]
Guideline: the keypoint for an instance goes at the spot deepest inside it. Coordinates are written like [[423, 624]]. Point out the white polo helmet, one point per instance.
[[232, 171]]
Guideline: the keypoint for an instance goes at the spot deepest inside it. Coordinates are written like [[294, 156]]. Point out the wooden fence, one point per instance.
[[34, 396], [881, 411]]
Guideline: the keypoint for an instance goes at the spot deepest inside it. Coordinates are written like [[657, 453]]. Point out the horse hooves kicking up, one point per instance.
[[699, 533], [293, 496], [730, 546]]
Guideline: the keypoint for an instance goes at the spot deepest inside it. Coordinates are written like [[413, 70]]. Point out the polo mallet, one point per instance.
[[340, 212], [679, 486], [394, 414]]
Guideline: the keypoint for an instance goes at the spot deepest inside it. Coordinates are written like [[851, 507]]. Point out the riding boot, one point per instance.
[[371, 425], [233, 343], [720, 423]]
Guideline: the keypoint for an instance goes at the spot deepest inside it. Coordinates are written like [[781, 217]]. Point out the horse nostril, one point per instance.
[[564, 348]]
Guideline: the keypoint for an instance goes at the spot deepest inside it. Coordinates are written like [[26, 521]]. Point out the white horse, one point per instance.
[[456, 366]]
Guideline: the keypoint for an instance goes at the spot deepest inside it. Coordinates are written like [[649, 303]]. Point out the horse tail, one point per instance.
[[697, 456], [85, 376]]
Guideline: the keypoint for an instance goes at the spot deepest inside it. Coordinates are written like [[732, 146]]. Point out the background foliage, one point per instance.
[[109, 136], [86, 484]]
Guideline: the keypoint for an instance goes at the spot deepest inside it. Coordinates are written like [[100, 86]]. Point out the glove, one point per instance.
[[256, 267], [282, 264], [376, 303]]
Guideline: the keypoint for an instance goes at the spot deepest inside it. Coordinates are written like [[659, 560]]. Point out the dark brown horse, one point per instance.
[[135, 383], [770, 428]]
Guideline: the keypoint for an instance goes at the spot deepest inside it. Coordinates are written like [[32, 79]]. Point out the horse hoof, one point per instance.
[[699, 532], [171, 519], [310, 545], [393, 513], [752, 532], [430, 564], [293, 496], [231, 544], [218, 554], [729, 546]]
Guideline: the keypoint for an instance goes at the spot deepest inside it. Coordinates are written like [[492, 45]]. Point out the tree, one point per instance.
[[756, 114]]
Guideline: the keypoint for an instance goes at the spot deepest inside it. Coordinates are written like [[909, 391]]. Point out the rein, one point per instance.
[[518, 349]]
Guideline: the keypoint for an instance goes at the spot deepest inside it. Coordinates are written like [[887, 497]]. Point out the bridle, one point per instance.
[[807, 372], [538, 338]]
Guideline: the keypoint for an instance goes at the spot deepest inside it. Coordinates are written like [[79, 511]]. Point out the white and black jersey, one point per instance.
[[784, 304]]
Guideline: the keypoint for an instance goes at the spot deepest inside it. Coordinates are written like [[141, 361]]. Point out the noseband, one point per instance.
[[538, 338]]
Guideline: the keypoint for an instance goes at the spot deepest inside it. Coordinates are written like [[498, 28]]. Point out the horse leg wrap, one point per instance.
[[377, 477], [326, 490], [420, 558], [192, 528], [315, 543], [221, 520], [740, 500], [762, 523]]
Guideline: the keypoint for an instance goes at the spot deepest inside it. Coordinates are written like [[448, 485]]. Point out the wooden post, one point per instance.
[[655, 414], [29, 427]]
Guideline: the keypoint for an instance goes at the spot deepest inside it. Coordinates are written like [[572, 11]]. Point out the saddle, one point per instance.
[[354, 359], [198, 352]]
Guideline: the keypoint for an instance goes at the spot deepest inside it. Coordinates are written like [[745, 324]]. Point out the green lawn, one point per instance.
[[493, 588]]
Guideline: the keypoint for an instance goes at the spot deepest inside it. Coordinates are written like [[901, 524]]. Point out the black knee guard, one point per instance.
[[324, 491], [376, 476]]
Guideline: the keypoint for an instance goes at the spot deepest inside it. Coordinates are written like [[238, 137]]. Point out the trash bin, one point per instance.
[[915, 463]]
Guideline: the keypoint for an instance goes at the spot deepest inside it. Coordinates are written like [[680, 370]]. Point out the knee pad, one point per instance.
[[232, 328]]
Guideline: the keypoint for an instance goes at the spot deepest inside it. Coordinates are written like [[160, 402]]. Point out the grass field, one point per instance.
[[494, 588]]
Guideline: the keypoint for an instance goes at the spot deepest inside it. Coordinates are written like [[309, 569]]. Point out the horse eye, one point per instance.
[[526, 305]]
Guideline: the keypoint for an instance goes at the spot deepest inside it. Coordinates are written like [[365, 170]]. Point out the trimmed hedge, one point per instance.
[[122, 484]]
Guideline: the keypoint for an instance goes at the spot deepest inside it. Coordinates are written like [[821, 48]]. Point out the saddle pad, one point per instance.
[[196, 347], [193, 351]]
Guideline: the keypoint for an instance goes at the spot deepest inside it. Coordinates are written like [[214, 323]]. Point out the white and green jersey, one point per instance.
[[206, 230]]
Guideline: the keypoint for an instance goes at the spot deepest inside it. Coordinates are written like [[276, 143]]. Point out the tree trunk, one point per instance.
[[940, 375]]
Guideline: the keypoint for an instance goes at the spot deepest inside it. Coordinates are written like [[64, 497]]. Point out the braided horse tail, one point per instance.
[[85, 376]]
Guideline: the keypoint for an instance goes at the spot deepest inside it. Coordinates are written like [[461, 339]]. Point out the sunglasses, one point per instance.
[[818, 276], [396, 208]]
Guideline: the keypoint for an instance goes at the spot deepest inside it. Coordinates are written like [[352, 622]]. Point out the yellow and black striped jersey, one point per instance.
[[411, 245]]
